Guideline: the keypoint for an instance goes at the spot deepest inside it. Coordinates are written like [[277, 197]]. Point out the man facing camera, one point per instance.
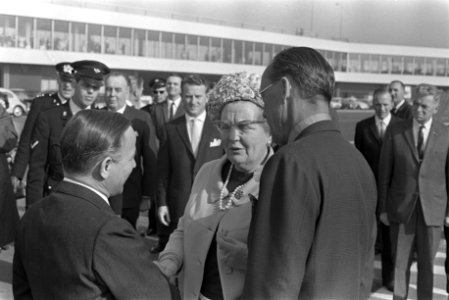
[[141, 184], [401, 107], [74, 236], [369, 134], [413, 190]]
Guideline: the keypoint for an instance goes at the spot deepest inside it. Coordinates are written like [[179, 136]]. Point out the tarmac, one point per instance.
[[378, 292]]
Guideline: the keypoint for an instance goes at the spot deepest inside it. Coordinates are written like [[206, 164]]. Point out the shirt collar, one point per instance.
[[74, 108], [386, 120], [103, 196], [399, 104], [176, 101], [122, 110], [62, 99], [201, 117], [426, 124], [300, 126]]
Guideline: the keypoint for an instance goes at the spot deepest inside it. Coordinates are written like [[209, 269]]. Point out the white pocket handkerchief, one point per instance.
[[215, 143]]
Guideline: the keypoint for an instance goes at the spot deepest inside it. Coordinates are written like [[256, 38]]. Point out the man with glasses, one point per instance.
[[169, 109], [156, 110], [191, 140], [46, 171], [313, 228], [158, 94], [66, 89]]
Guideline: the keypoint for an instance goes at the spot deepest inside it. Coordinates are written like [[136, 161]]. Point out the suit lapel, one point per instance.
[[408, 135], [181, 127], [203, 146], [433, 136], [180, 111], [373, 129]]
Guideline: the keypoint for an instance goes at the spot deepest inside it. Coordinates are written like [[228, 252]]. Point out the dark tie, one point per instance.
[[420, 145], [172, 111]]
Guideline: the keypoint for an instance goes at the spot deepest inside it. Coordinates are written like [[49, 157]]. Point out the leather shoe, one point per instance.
[[158, 248]]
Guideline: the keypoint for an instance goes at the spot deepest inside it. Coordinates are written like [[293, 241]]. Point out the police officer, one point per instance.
[[158, 91], [45, 161], [159, 95], [66, 89]]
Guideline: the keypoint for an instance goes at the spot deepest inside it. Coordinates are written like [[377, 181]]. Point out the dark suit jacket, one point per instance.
[[45, 170], [160, 117], [39, 104], [404, 112], [177, 166], [142, 180], [71, 245], [367, 141], [313, 228], [403, 178]]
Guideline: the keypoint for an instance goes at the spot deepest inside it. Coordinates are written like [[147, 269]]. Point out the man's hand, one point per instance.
[[446, 221], [164, 215], [15, 183], [145, 203], [384, 219]]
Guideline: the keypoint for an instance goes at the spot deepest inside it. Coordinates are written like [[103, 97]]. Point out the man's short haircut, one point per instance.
[[425, 89], [89, 137], [308, 68], [400, 83], [120, 74], [176, 75], [195, 80], [380, 91]]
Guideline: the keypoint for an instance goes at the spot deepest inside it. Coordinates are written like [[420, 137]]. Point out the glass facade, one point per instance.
[[47, 34]]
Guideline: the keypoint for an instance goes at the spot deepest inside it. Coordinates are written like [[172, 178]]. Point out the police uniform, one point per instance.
[[39, 104], [155, 83], [45, 170]]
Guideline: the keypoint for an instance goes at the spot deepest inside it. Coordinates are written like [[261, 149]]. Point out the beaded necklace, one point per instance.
[[232, 197]]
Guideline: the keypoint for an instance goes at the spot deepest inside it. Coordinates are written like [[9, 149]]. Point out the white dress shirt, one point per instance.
[[176, 103], [385, 122], [199, 122], [426, 131]]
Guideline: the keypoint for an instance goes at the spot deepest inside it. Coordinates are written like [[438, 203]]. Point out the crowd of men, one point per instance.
[[167, 142]]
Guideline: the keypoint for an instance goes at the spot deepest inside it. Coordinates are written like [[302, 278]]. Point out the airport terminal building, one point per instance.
[[34, 37]]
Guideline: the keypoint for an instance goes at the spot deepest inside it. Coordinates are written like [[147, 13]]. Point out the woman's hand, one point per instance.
[[234, 252]]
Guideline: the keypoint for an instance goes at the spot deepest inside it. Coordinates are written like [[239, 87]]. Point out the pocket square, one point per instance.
[[215, 143]]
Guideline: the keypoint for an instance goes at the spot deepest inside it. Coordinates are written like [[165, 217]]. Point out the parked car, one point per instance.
[[14, 105]]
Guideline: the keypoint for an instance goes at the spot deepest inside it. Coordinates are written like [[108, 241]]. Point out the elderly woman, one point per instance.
[[208, 248]]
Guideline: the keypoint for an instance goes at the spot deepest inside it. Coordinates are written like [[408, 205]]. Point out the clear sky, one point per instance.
[[422, 23]]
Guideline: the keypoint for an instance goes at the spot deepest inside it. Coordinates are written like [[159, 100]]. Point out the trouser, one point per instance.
[[446, 262], [408, 237], [387, 255], [164, 232], [131, 214]]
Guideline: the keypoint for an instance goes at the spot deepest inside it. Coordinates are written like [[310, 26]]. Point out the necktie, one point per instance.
[[381, 130], [171, 113], [194, 135], [420, 145]]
